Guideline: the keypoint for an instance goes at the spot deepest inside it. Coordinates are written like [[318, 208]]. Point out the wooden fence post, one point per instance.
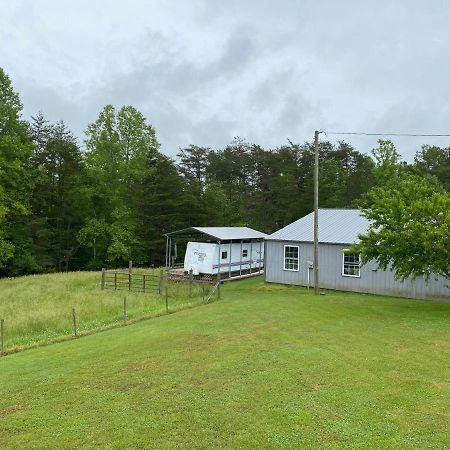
[[2, 336], [191, 276], [167, 302], [124, 309], [161, 275], [74, 322], [143, 283], [115, 281], [130, 267], [103, 277]]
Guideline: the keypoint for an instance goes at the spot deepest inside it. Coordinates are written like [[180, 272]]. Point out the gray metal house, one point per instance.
[[289, 256]]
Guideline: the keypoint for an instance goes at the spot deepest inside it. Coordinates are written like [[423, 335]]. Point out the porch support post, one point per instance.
[[229, 269], [170, 253], [240, 262], [251, 254], [260, 256], [167, 249], [265, 268], [218, 263]]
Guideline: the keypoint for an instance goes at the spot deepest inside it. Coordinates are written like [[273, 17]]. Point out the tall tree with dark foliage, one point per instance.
[[15, 184]]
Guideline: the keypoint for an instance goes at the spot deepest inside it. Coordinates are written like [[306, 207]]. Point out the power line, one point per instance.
[[357, 133]]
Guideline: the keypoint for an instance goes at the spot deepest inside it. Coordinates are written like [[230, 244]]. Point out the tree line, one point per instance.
[[66, 206]]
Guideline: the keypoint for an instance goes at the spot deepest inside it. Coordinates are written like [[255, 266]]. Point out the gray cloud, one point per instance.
[[205, 71]]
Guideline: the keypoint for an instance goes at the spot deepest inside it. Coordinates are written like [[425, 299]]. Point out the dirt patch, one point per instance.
[[10, 410]]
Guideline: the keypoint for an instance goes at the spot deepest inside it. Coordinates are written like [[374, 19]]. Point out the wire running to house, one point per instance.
[[357, 133]]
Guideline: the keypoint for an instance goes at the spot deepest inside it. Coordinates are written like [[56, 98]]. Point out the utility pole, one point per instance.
[[316, 212]]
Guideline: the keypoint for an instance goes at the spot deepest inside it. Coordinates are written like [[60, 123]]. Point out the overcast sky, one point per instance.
[[204, 71]]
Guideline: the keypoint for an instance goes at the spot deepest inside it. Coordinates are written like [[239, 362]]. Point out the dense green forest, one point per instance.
[[69, 206]]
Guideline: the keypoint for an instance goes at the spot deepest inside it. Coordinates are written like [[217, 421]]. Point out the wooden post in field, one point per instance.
[[115, 281], [74, 322], [161, 276], [103, 277], [124, 309], [2, 336], [167, 302], [130, 267], [143, 283], [191, 276]]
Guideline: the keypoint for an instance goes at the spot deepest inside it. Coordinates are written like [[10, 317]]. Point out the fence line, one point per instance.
[[74, 322], [127, 280], [216, 288], [202, 295]]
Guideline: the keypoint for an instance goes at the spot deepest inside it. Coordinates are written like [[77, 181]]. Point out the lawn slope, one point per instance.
[[266, 367]]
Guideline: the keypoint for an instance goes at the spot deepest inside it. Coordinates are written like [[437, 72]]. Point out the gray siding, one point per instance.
[[373, 280]]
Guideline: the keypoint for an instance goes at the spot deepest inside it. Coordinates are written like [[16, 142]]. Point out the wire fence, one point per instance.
[[147, 296]]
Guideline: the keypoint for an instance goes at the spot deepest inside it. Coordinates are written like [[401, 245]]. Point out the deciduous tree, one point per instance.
[[15, 183], [122, 151], [410, 227], [433, 160]]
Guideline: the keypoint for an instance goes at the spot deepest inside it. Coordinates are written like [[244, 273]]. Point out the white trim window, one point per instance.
[[291, 257], [244, 253], [351, 264]]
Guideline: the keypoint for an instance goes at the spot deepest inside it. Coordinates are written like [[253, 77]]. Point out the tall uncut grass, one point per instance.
[[38, 308]]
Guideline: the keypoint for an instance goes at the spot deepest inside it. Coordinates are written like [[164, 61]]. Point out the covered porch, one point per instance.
[[240, 251]]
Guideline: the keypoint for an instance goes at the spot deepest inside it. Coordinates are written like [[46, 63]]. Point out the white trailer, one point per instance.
[[228, 257]]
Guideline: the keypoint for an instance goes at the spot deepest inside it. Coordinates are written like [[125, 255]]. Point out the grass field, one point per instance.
[[268, 366], [38, 309]]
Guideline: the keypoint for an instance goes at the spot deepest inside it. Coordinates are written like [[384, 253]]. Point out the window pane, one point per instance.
[[291, 258], [351, 264], [291, 264], [351, 258], [351, 270], [224, 255], [291, 252]]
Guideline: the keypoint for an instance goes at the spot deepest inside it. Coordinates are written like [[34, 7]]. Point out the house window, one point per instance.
[[244, 253], [224, 255], [351, 264], [291, 257]]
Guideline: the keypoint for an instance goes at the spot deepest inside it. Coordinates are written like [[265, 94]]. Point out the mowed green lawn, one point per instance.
[[268, 366], [38, 309]]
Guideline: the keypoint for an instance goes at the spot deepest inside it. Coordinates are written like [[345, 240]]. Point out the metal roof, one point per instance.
[[220, 233], [336, 226]]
